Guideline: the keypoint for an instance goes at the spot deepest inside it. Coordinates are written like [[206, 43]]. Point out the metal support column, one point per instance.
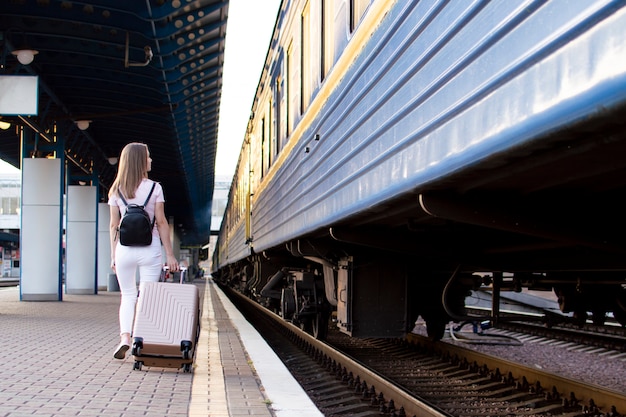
[[81, 240], [41, 236]]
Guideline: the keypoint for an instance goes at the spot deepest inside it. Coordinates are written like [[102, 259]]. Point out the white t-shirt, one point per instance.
[[140, 197]]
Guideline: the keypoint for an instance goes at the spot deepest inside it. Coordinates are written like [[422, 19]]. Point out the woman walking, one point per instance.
[[132, 186]]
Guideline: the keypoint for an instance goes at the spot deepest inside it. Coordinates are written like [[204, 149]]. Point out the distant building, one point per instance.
[[10, 203], [220, 198]]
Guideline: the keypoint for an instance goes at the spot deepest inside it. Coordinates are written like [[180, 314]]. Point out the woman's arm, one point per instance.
[[164, 233], [113, 224]]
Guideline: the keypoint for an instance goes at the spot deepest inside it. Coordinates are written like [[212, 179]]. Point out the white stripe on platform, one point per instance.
[[287, 396]]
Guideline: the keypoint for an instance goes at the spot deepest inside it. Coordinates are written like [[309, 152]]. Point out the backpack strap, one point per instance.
[[149, 195], [146, 202], [119, 193]]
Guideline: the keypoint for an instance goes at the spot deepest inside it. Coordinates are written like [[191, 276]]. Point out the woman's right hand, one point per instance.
[[172, 263]]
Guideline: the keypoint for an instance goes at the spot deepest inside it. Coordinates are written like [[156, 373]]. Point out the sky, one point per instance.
[[248, 33], [6, 167]]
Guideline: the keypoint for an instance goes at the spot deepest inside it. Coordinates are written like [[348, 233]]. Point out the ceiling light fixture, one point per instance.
[[25, 56], [83, 124]]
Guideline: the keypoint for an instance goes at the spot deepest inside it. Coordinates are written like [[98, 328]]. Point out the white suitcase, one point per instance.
[[165, 332]]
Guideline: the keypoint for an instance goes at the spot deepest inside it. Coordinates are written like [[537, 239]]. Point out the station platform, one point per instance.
[[56, 359]]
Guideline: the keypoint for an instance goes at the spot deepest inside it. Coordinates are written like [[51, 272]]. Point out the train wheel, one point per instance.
[[598, 316], [435, 328], [319, 326], [619, 312], [287, 303], [316, 326], [620, 316], [436, 321], [580, 317]]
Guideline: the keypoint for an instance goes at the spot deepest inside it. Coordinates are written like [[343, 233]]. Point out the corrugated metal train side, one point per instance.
[[415, 151]]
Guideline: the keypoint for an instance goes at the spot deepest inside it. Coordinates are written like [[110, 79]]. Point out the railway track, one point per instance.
[[338, 384], [416, 376], [561, 395], [605, 337], [538, 318]]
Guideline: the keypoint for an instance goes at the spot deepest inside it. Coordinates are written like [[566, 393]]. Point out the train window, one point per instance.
[[288, 75], [278, 113], [245, 182], [265, 145], [323, 40], [305, 59], [326, 53], [357, 10], [271, 144]]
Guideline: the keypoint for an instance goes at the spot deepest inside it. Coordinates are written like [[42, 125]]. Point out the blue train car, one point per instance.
[[400, 154]]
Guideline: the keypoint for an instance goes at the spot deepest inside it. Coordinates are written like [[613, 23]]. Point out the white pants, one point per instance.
[[127, 259]]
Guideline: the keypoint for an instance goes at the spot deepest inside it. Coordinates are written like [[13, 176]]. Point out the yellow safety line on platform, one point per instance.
[[208, 390]]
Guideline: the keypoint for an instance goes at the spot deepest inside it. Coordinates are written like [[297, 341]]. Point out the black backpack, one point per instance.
[[135, 228]]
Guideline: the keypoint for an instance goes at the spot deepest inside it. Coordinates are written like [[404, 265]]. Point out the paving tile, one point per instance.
[[57, 361]]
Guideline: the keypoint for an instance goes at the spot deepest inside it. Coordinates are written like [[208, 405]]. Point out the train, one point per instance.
[[400, 155]]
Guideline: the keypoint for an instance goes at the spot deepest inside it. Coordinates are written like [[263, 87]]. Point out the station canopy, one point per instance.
[[124, 71]]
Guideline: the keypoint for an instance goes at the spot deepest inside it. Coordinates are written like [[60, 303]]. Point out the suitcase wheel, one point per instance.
[[137, 346], [187, 367], [185, 348], [137, 365]]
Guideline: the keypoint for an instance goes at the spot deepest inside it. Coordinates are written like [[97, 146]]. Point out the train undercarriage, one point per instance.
[[371, 299], [373, 292], [375, 278]]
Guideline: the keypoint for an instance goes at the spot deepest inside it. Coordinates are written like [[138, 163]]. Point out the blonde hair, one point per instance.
[[132, 169]]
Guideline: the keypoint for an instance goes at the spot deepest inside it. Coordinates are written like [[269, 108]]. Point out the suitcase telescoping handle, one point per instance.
[[183, 271]]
